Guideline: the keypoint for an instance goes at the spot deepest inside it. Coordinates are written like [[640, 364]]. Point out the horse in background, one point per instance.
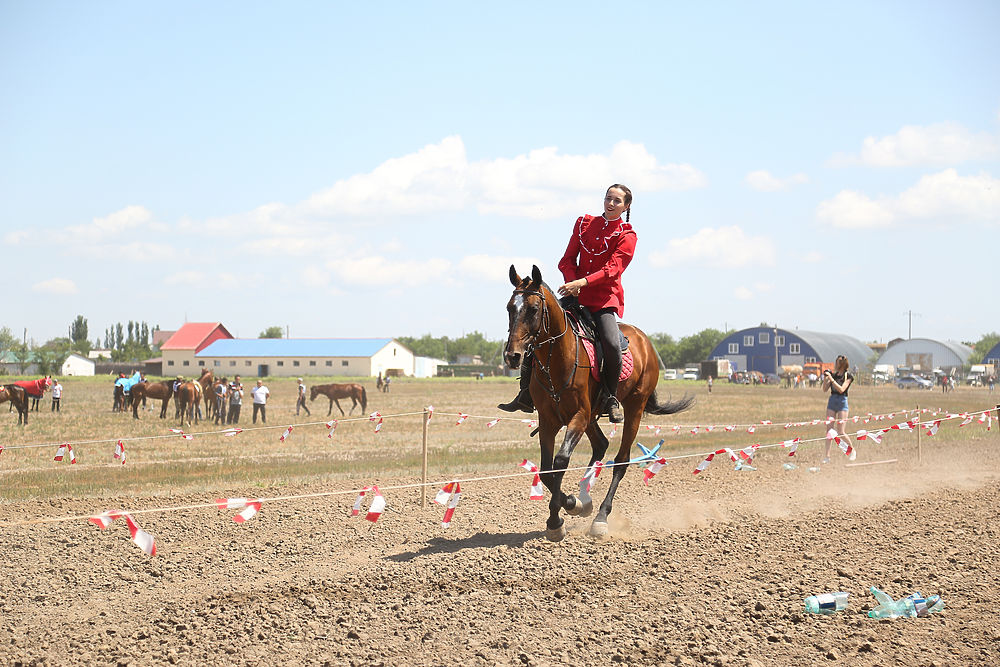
[[355, 392], [206, 381], [18, 398], [35, 389], [188, 399], [152, 390], [565, 393]]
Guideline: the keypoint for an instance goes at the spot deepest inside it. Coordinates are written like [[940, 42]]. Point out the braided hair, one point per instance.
[[628, 197]]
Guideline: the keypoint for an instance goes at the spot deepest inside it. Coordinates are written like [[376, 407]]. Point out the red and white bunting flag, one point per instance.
[[591, 474], [856, 418], [284, 436], [176, 430], [493, 422], [377, 418], [831, 434], [932, 428], [694, 431], [449, 496], [844, 445], [765, 422], [614, 429], [379, 424], [141, 538], [1, 449], [816, 421], [709, 429], [730, 428], [332, 425], [904, 426], [430, 412], [892, 415], [747, 453], [751, 429], [231, 503], [63, 449], [792, 445], [536, 493], [461, 418], [708, 459], [967, 420], [982, 418], [187, 436], [120, 451], [788, 425], [376, 507], [732, 455], [653, 468], [249, 512], [230, 432], [676, 428]]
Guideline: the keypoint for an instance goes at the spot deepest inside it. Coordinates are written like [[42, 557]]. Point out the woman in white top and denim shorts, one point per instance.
[[838, 382]]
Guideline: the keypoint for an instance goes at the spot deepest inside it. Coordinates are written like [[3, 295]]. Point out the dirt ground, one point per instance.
[[707, 569]]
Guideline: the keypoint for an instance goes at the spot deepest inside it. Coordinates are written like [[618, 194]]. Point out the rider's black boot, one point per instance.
[[612, 408], [523, 400]]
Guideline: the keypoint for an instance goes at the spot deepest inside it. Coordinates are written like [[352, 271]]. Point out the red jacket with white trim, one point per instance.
[[599, 251]]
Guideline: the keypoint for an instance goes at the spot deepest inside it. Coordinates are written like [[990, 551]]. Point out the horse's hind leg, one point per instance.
[[330, 411], [354, 405], [599, 528], [339, 408], [584, 505]]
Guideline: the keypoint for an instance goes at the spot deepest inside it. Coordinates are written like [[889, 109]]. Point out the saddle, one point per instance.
[[582, 321]]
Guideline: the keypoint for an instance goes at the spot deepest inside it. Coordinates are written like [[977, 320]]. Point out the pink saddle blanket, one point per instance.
[[626, 361]]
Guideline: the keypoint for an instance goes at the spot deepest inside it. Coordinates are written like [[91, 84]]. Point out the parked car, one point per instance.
[[689, 375], [914, 381], [670, 374]]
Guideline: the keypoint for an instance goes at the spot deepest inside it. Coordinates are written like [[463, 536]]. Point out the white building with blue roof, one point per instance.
[[293, 357]]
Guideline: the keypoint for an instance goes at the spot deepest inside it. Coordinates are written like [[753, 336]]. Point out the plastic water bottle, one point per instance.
[[813, 469], [826, 603], [886, 605], [789, 466], [740, 465], [914, 606]]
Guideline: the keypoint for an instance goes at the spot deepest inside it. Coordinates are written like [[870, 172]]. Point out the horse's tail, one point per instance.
[[654, 407], [364, 399]]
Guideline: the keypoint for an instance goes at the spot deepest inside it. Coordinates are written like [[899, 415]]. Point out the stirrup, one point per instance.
[[521, 402], [613, 409]]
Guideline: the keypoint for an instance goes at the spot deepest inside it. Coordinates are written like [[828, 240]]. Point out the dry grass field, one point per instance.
[[709, 568]]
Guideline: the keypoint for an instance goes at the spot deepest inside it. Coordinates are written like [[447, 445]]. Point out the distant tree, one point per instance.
[[130, 336], [982, 346], [696, 347], [272, 332], [119, 337], [109, 341], [22, 355], [666, 347], [7, 339]]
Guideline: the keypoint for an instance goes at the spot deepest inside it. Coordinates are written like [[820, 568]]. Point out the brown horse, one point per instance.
[[152, 390], [206, 381], [355, 392], [188, 397], [565, 394], [18, 398]]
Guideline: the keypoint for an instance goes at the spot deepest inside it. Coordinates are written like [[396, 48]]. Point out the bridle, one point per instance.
[[534, 344]]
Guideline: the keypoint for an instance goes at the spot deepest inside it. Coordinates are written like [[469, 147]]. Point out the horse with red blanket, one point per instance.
[[35, 389]]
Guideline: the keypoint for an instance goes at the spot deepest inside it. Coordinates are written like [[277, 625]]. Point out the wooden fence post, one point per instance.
[[423, 467]]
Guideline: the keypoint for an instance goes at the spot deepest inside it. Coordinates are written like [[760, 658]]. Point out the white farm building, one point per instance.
[[77, 365]]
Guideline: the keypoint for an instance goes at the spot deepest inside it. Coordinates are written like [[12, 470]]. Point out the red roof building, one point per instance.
[[179, 350]]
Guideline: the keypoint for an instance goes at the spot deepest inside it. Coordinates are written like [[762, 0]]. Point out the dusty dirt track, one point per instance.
[[699, 569]]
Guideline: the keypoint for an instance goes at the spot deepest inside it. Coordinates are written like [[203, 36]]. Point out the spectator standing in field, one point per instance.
[[709, 384], [235, 401], [260, 394], [221, 389], [385, 384], [56, 396], [301, 402], [838, 382], [378, 382]]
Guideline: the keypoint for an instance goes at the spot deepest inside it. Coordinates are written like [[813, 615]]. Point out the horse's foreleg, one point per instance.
[[330, 411], [339, 408], [554, 529]]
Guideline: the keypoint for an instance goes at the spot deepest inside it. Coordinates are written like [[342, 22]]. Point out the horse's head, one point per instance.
[[312, 393], [526, 312]]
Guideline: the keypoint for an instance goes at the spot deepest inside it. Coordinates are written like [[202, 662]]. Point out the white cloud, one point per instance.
[[541, 184], [378, 270], [111, 226], [742, 293], [496, 268], [190, 278], [764, 181], [55, 286], [938, 144], [725, 248], [944, 196]]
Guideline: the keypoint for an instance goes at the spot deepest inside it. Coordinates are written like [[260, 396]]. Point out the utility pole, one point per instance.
[[909, 329]]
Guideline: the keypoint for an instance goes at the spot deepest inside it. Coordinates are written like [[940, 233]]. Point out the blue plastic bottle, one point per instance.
[[826, 603]]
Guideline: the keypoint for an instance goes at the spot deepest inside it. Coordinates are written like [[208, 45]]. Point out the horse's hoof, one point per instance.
[[555, 534], [599, 529], [586, 509]]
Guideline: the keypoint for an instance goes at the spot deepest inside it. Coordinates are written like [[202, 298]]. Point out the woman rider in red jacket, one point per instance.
[[599, 250]]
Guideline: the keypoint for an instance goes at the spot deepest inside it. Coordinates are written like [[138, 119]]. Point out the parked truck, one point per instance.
[[716, 368]]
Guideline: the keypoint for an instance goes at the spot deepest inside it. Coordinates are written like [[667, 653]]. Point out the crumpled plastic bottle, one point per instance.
[[911, 606], [789, 466]]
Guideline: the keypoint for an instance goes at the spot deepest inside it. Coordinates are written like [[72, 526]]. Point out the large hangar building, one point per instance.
[[765, 349], [925, 355]]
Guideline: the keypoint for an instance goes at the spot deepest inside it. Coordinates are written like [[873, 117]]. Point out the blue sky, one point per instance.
[[372, 169]]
